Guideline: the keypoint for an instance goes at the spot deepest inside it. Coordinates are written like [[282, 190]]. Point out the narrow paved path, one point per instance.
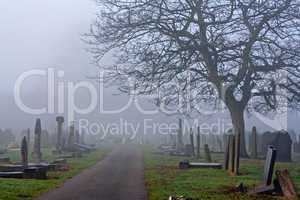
[[120, 176]]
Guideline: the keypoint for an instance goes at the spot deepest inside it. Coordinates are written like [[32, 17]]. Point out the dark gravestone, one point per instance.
[[269, 165], [37, 154], [281, 141], [24, 152], [207, 153]]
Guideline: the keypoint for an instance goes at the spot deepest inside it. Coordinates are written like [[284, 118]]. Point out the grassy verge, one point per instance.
[[19, 189], [163, 178]]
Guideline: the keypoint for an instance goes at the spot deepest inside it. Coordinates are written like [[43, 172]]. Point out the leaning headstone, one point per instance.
[[254, 143], [60, 120], [269, 165], [24, 152], [281, 141], [37, 154], [207, 153]]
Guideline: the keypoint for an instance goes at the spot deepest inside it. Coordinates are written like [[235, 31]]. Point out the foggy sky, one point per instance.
[[37, 34]]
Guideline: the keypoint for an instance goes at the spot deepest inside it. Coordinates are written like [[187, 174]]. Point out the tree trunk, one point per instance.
[[238, 122]]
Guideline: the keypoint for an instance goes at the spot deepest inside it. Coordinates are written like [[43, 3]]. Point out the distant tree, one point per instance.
[[236, 51]]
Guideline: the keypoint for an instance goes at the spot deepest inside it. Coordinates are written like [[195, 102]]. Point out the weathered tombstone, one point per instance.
[[254, 143], [207, 153], [269, 165], [180, 137], [231, 144], [192, 142], [198, 142], [281, 141], [60, 120], [24, 152], [37, 154]]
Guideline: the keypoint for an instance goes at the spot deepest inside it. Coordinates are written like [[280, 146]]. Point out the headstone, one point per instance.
[[269, 165], [198, 143], [254, 143], [281, 141], [24, 152], [60, 120], [37, 154], [207, 153]]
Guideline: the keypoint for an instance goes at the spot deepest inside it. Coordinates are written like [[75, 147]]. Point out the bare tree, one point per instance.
[[238, 46]]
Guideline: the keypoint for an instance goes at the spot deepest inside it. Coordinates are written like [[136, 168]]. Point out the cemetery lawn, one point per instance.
[[164, 179], [20, 189]]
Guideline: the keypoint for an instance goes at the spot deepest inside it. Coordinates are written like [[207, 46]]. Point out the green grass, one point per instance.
[[164, 179], [20, 189]]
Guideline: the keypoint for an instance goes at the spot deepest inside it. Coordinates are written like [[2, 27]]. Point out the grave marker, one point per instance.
[[37, 154], [269, 165], [207, 153], [24, 152], [60, 120]]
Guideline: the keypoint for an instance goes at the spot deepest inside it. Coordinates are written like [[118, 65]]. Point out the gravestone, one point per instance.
[[37, 154], [281, 141], [24, 152], [60, 120], [207, 153], [269, 165]]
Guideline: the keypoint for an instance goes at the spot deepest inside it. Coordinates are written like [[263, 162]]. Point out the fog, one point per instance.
[[45, 34]]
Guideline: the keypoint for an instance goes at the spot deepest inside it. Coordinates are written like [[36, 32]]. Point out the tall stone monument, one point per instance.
[[37, 154], [60, 120]]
